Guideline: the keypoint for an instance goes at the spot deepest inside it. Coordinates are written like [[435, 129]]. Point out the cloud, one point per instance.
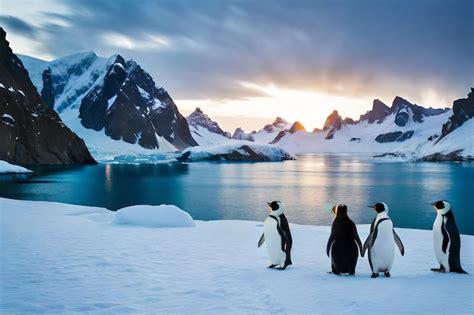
[[203, 49], [150, 42], [18, 25]]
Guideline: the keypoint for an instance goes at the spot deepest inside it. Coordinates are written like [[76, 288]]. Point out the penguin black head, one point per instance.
[[380, 207], [442, 206], [340, 209], [274, 205]]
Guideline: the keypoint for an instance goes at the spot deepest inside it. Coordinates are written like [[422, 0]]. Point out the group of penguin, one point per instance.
[[344, 244]]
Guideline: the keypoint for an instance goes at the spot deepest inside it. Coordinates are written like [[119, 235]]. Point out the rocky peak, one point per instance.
[[199, 119], [239, 134], [463, 110], [403, 109], [297, 126], [277, 125], [130, 107], [399, 103], [333, 121], [377, 114]]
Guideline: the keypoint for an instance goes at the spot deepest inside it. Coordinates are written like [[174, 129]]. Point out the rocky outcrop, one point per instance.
[[455, 156], [463, 110], [403, 108], [297, 126], [377, 114], [47, 93], [402, 117], [199, 119], [398, 136], [332, 124], [30, 131], [277, 125], [239, 134]]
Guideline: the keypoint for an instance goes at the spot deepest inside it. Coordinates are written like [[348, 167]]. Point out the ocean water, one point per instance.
[[308, 187]]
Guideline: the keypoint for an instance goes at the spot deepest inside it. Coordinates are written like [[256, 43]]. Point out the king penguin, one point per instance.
[[380, 242], [277, 235], [344, 243], [446, 239]]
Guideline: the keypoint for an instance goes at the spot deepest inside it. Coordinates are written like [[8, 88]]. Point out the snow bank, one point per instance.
[[7, 168], [59, 258], [235, 150], [154, 216]]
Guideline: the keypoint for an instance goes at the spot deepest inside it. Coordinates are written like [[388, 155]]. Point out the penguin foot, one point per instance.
[[287, 263], [374, 275], [272, 266], [440, 269], [386, 274]]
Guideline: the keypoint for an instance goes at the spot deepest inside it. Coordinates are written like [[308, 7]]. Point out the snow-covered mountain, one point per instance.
[[204, 130], [112, 103], [30, 131], [270, 133], [406, 130]]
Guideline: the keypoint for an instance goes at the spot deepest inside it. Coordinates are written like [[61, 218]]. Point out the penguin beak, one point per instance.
[[373, 207], [268, 203]]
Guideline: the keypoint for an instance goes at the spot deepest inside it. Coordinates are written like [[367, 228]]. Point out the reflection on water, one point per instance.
[[308, 187]]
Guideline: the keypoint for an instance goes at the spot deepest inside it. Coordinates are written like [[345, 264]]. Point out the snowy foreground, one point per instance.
[[7, 168], [64, 258]]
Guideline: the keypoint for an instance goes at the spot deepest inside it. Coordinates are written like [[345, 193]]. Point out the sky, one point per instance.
[[246, 62]]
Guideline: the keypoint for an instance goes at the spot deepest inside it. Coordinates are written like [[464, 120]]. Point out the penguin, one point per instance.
[[446, 239], [277, 235], [344, 243], [380, 242]]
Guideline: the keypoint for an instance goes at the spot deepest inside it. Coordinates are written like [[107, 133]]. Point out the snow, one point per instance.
[[89, 70], [35, 69], [154, 216], [111, 101], [157, 104], [7, 168], [461, 138], [106, 149], [205, 137], [7, 120], [143, 93], [272, 152], [59, 258]]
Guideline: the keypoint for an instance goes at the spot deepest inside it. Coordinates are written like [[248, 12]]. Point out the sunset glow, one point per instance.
[[309, 107]]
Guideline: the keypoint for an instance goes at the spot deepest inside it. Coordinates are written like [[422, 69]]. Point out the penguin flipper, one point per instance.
[[445, 237], [329, 244], [356, 237], [368, 243], [399, 243], [262, 240]]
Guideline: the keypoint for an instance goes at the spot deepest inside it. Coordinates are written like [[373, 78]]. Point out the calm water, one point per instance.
[[308, 187]]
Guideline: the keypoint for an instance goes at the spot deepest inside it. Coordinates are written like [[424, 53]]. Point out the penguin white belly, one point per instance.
[[273, 242], [383, 251], [443, 258]]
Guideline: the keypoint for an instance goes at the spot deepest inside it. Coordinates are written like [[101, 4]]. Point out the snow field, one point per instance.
[[59, 258]]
